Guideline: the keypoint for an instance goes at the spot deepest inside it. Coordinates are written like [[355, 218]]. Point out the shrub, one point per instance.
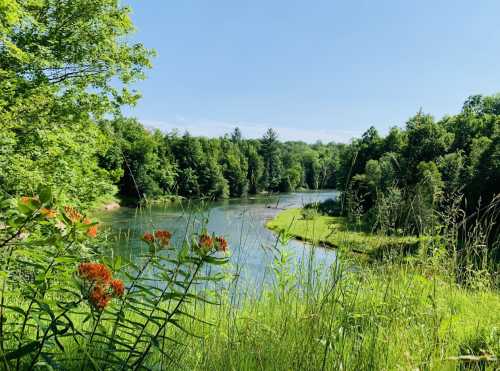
[[331, 207]]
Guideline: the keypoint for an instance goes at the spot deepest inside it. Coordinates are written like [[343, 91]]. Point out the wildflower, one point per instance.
[[221, 243], [206, 242], [99, 284], [95, 272], [164, 237], [99, 297], [25, 200], [92, 230], [148, 237], [118, 287], [72, 214], [48, 213]]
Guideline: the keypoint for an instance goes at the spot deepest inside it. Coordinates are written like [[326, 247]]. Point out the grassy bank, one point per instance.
[[336, 232], [391, 317], [180, 312]]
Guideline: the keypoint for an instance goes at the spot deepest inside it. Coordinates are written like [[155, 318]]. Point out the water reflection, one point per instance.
[[241, 221]]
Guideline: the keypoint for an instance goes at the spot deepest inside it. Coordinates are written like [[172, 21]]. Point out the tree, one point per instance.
[[57, 63], [255, 167], [236, 135], [427, 140], [235, 169], [271, 154], [312, 169]]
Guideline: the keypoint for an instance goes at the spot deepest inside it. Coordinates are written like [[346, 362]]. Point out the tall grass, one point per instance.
[[404, 313]]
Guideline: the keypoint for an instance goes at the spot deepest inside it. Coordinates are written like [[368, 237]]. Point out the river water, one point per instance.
[[240, 221]]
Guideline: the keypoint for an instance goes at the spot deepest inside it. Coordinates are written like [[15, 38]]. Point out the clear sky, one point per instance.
[[317, 69]]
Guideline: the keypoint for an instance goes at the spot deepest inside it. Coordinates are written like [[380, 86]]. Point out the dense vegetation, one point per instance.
[[458, 155], [66, 67], [154, 164]]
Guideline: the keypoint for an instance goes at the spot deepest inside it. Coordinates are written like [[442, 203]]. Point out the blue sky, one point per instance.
[[313, 69]]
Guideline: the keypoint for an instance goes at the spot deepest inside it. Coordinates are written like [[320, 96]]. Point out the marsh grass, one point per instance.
[[338, 232], [390, 317]]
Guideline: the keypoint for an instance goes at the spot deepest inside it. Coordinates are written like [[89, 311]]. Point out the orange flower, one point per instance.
[[206, 242], [48, 213], [118, 287], [222, 243], [163, 236], [148, 237], [72, 214], [99, 298], [95, 272], [92, 230], [26, 200]]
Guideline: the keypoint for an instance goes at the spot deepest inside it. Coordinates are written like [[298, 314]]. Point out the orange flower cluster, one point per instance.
[[99, 297], [163, 236], [148, 237], [206, 241], [95, 272], [72, 214], [26, 200], [48, 213], [92, 230], [221, 243], [118, 287], [102, 285], [75, 217]]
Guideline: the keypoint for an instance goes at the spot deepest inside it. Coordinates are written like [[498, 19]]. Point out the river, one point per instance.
[[241, 221]]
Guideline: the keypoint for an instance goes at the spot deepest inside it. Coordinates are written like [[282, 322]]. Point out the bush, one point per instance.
[[330, 207]]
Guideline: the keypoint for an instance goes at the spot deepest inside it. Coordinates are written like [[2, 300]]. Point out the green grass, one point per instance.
[[336, 232], [403, 314], [391, 317], [386, 318]]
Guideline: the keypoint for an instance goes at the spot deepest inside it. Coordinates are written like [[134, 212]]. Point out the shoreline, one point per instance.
[[333, 232]]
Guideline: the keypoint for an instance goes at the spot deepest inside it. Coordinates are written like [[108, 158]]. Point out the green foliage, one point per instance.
[[271, 155], [402, 182], [154, 165], [60, 306], [330, 207], [385, 317], [57, 63], [309, 225]]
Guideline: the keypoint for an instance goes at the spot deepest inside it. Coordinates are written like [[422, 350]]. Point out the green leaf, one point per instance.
[[45, 194], [23, 350], [215, 261], [16, 309]]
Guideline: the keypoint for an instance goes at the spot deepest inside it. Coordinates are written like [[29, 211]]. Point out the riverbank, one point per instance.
[[387, 317], [335, 232], [312, 313]]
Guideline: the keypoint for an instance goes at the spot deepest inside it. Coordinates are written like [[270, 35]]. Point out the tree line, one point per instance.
[[65, 72], [402, 180], [152, 164]]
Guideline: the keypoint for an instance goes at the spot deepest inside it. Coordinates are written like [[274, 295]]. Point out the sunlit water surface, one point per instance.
[[241, 221]]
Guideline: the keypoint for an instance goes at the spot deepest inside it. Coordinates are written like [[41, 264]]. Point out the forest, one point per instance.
[[458, 153], [68, 69]]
